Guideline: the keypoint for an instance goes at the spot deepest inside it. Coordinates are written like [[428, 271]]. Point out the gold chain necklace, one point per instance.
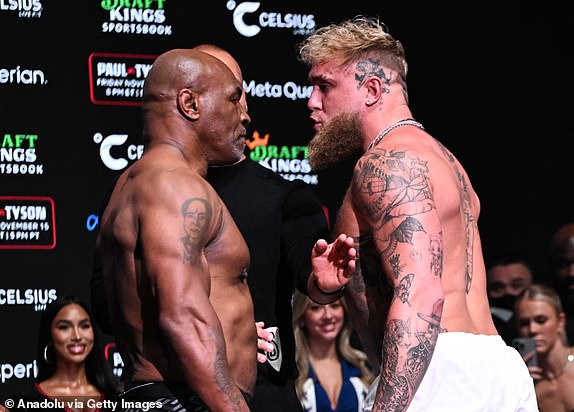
[[409, 121]]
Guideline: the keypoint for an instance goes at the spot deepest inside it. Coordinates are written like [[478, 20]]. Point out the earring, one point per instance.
[[46, 354], [368, 102]]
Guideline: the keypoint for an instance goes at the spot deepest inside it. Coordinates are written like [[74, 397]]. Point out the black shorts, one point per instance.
[[160, 396]]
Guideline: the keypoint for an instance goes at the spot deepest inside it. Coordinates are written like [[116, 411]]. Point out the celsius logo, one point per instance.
[[25, 8], [22, 76], [107, 143], [300, 23], [39, 298]]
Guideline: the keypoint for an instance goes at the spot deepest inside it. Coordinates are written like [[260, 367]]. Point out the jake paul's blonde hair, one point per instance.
[[353, 40]]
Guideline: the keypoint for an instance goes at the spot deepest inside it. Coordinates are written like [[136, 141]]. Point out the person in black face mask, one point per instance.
[[507, 276]]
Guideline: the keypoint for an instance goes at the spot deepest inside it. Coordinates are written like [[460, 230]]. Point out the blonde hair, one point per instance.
[[353, 40], [543, 293], [352, 355]]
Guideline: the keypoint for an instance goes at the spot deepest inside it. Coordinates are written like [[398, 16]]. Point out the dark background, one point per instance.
[[491, 81]]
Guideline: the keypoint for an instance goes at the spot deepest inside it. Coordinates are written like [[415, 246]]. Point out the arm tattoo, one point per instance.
[[222, 376], [196, 214], [395, 394], [403, 234], [406, 359], [397, 185], [397, 189], [394, 260], [403, 289], [436, 250]]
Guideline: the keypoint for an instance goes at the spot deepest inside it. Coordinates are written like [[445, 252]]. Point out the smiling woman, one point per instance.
[[72, 372], [333, 375]]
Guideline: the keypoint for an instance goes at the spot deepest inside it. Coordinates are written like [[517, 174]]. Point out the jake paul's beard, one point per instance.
[[337, 140]]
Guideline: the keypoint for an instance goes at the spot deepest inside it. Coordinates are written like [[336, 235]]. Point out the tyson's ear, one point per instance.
[[188, 103]]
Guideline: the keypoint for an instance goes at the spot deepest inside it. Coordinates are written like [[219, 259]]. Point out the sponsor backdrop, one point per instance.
[[71, 76]]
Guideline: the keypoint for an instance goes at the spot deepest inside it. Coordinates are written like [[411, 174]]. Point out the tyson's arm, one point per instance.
[[98, 298], [174, 258]]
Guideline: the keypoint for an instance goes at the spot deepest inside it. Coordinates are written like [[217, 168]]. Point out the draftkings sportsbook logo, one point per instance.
[[18, 154], [142, 17], [118, 79], [290, 162]]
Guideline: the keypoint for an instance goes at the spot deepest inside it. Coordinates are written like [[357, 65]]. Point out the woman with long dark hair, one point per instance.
[[71, 363]]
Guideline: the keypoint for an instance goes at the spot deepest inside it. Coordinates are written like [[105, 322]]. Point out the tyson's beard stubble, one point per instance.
[[338, 140]]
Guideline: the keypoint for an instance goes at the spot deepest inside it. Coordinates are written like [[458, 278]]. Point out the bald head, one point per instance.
[[223, 56], [188, 96], [563, 238], [228, 60], [183, 68]]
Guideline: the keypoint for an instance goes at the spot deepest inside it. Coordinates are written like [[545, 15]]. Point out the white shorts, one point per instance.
[[472, 373]]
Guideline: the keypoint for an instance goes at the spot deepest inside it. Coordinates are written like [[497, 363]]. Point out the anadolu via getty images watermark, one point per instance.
[[75, 403]]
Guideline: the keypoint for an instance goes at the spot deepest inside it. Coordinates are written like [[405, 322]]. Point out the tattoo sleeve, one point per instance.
[[407, 354], [400, 225]]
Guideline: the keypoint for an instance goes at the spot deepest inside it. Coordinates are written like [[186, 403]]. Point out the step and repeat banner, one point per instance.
[[71, 80], [488, 81]]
